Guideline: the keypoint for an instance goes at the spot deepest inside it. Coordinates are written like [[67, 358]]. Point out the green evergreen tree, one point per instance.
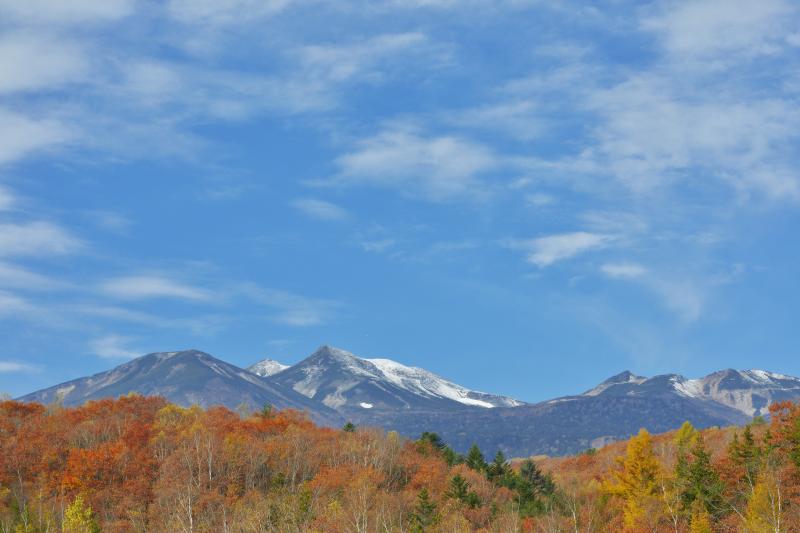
[[433, 439], [747, 454], [459, 490], [500, 473], [424, 515], [459, 487], [349, 427], [698, 481], [541, 484], [475, 459]]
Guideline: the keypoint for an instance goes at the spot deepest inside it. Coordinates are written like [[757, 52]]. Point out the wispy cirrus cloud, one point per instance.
[[289, 308], [623, 270], [550, 249], [30, 62], [686, 295], [14, 306], [438, 167], [712, 27], [114, 347], [36, 239], [16, 277], [22, 135], [144, 287], [7, 199], [7, 367], [40, 12], [320, 209], [223, 12]]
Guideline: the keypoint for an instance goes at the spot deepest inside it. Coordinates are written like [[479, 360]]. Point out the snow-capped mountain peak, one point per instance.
[[341, 379], [747, 391], [267, 367]]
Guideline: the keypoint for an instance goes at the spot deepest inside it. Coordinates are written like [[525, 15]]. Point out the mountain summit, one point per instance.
[[748, 391], [184, 377], [344, 381], [267, 367]]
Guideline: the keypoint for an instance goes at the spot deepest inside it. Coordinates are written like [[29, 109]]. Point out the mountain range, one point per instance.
[[334, 386]]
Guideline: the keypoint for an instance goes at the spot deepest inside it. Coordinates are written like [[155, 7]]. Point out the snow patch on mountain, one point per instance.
[[691, 388], [336, 372], [748, 391], [425, 383], [267, 367]]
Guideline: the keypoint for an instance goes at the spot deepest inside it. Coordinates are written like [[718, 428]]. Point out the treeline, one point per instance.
[[141, 464]]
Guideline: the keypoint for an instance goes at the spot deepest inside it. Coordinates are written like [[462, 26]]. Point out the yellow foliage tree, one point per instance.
[[637, 482], [766, 510], [79, 518], [701, 521]]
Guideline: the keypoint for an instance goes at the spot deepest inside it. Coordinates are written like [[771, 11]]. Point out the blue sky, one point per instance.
[[523, 196]]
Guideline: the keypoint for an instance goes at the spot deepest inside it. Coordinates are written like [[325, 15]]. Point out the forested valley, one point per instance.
[[140, 464]]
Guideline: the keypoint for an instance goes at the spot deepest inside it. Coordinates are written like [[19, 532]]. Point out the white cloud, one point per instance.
[[338, 63], [436, 167], [651, 135], [36, 239], [291, 309], [519, 119], [60, 12], [12, 306], [377, 246], [223, 12], [7, 199], [539, 199], [545, 251], [686, 297], [30, 62], [110, 220], [201, 325], [7, 367], [623, 270], [21, 135], [152, 286], [320, 209], [710, 27], [113, 347], [15, 277]]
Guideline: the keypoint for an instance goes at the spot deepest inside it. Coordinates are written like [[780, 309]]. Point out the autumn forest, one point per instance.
[[139, 464]]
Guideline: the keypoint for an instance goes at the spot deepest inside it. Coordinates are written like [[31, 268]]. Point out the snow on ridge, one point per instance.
[[421, 381], [768, 377]]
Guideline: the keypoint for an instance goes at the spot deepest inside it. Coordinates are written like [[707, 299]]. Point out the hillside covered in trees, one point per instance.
[[142, 464]]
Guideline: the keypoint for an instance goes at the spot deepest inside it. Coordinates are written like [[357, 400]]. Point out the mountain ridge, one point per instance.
[[340, 379], [334, 386]]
